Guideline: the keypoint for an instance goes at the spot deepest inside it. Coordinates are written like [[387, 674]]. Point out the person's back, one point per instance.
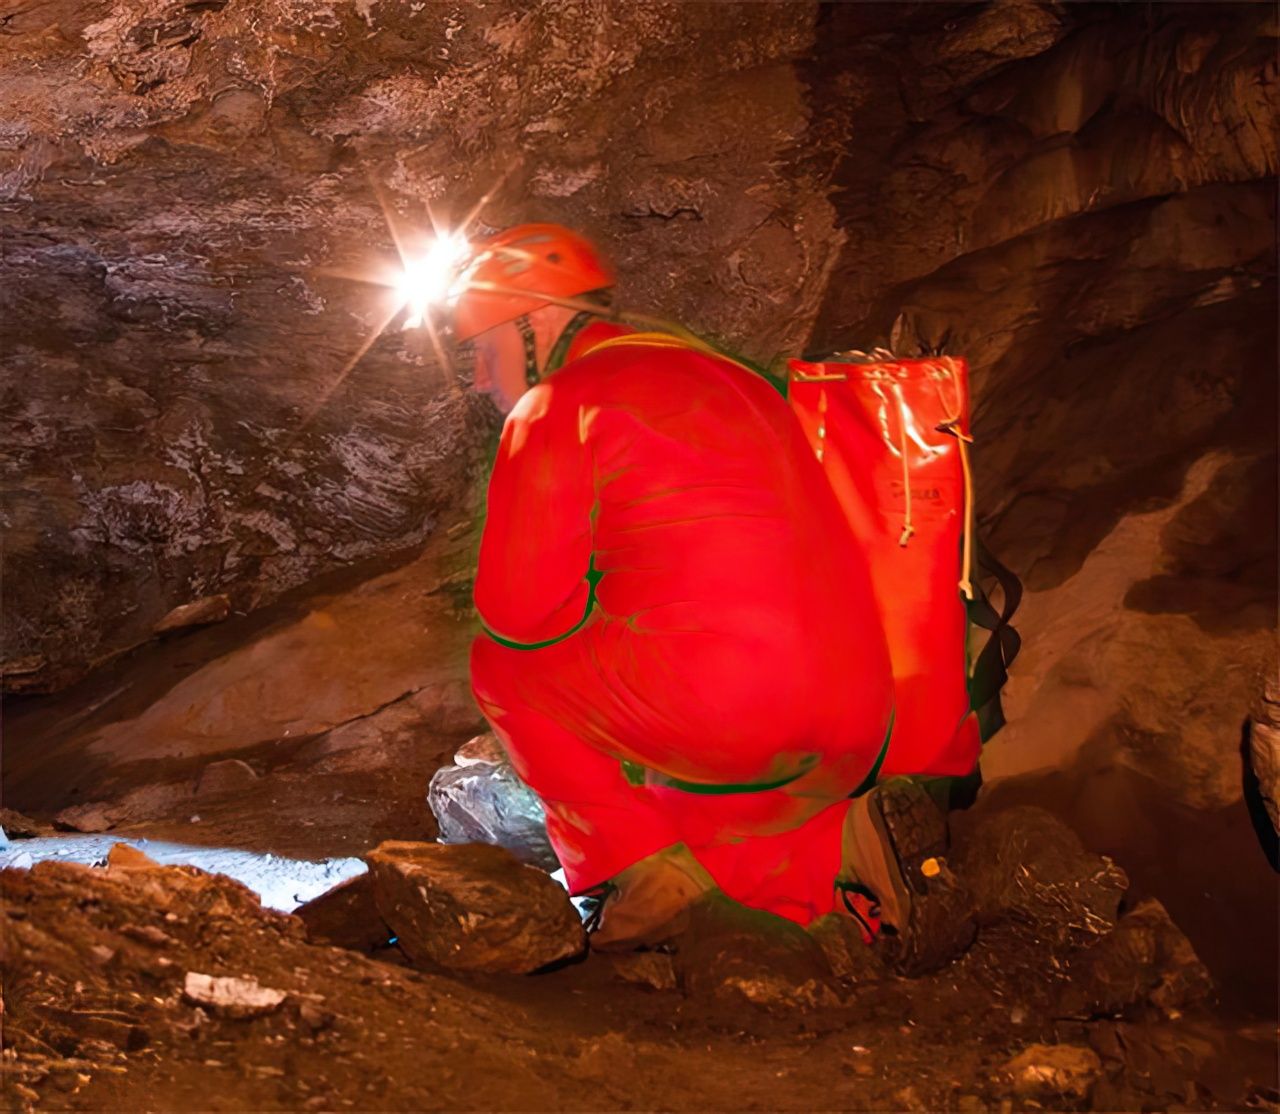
[[722, 555]]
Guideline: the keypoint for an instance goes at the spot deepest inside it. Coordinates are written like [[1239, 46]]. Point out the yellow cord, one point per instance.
[[907, 528], [952, 426]]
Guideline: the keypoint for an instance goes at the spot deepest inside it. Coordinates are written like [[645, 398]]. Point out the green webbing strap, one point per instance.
[[991, 668], [592, 578], [559, 353], [634, 775], [873, 774]]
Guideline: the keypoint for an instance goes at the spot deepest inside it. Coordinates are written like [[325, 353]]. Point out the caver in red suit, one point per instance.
[[682, 641]]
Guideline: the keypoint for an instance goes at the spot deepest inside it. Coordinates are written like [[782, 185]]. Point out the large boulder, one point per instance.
[[1145, 959], [1023, 862], [473, 908]]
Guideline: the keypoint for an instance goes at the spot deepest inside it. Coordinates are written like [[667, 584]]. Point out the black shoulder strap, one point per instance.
[[990, 668]]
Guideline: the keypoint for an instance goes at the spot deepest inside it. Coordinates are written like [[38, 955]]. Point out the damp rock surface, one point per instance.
[[473, 908]]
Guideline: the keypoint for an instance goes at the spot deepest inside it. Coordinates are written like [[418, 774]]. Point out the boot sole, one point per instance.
[[939, 922]]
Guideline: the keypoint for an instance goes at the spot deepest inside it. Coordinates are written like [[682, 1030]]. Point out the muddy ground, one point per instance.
[[97, 1017]]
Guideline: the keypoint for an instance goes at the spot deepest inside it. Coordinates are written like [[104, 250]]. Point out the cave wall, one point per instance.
[[179, 181], [1080, 198]]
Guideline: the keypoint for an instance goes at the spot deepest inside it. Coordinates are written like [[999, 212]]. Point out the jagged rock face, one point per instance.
[[1079, 199], [180, 181]]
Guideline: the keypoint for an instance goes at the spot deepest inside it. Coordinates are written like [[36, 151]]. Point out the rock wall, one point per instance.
[[180, 182], [1080, 198]]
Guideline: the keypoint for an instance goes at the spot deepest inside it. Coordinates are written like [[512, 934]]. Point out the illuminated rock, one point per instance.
[[473, 908]]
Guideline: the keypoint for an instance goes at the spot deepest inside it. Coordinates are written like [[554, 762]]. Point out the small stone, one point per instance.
[[652, 969], [1049, 1071], [231, 775], [210, 609], [314, 1017], [89, 818], [147, 934], [101, 954], [240, 999], [473, 907]]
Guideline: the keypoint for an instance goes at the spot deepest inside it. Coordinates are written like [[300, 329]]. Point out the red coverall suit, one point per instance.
[[666, 579]]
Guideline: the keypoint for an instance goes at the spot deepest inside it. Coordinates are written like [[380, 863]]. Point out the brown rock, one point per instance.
[[473, 908], [651, 969], [124, 856], [98, 816], [346, 916], [734, 953], [231, 775], [1053, 1071], [1026, 863], [198, 613], [842, 944], [1144, 959], [1264, 746], [16, 826]]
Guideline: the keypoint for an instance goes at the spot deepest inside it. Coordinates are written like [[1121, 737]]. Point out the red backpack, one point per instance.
[[893, 438]]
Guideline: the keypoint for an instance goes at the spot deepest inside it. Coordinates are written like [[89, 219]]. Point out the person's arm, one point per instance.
[[533, 584]]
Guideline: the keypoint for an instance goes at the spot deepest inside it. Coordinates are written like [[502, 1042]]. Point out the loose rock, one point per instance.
[[228, 776], [842, 944], [1026, 863], [732, 952], [1048, 1071], [346, 917], [211, 609], [231, 997], [16, 826], [1264, 747], [473, 908], [652, 969], [1145, 959], [90, 818]]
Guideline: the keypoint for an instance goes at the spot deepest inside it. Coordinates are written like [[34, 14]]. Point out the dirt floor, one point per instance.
[[96, 1019]]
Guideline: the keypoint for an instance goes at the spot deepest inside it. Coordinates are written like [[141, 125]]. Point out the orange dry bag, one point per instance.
[[892, 436]]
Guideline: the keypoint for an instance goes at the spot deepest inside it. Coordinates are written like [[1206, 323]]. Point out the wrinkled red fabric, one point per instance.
[[733, 643], [861, 418]]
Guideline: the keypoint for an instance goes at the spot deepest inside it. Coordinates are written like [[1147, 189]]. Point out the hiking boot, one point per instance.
[[647, 903], [895, 878]]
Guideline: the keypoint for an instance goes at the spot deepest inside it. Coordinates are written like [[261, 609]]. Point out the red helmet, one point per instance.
[[533, 264]]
